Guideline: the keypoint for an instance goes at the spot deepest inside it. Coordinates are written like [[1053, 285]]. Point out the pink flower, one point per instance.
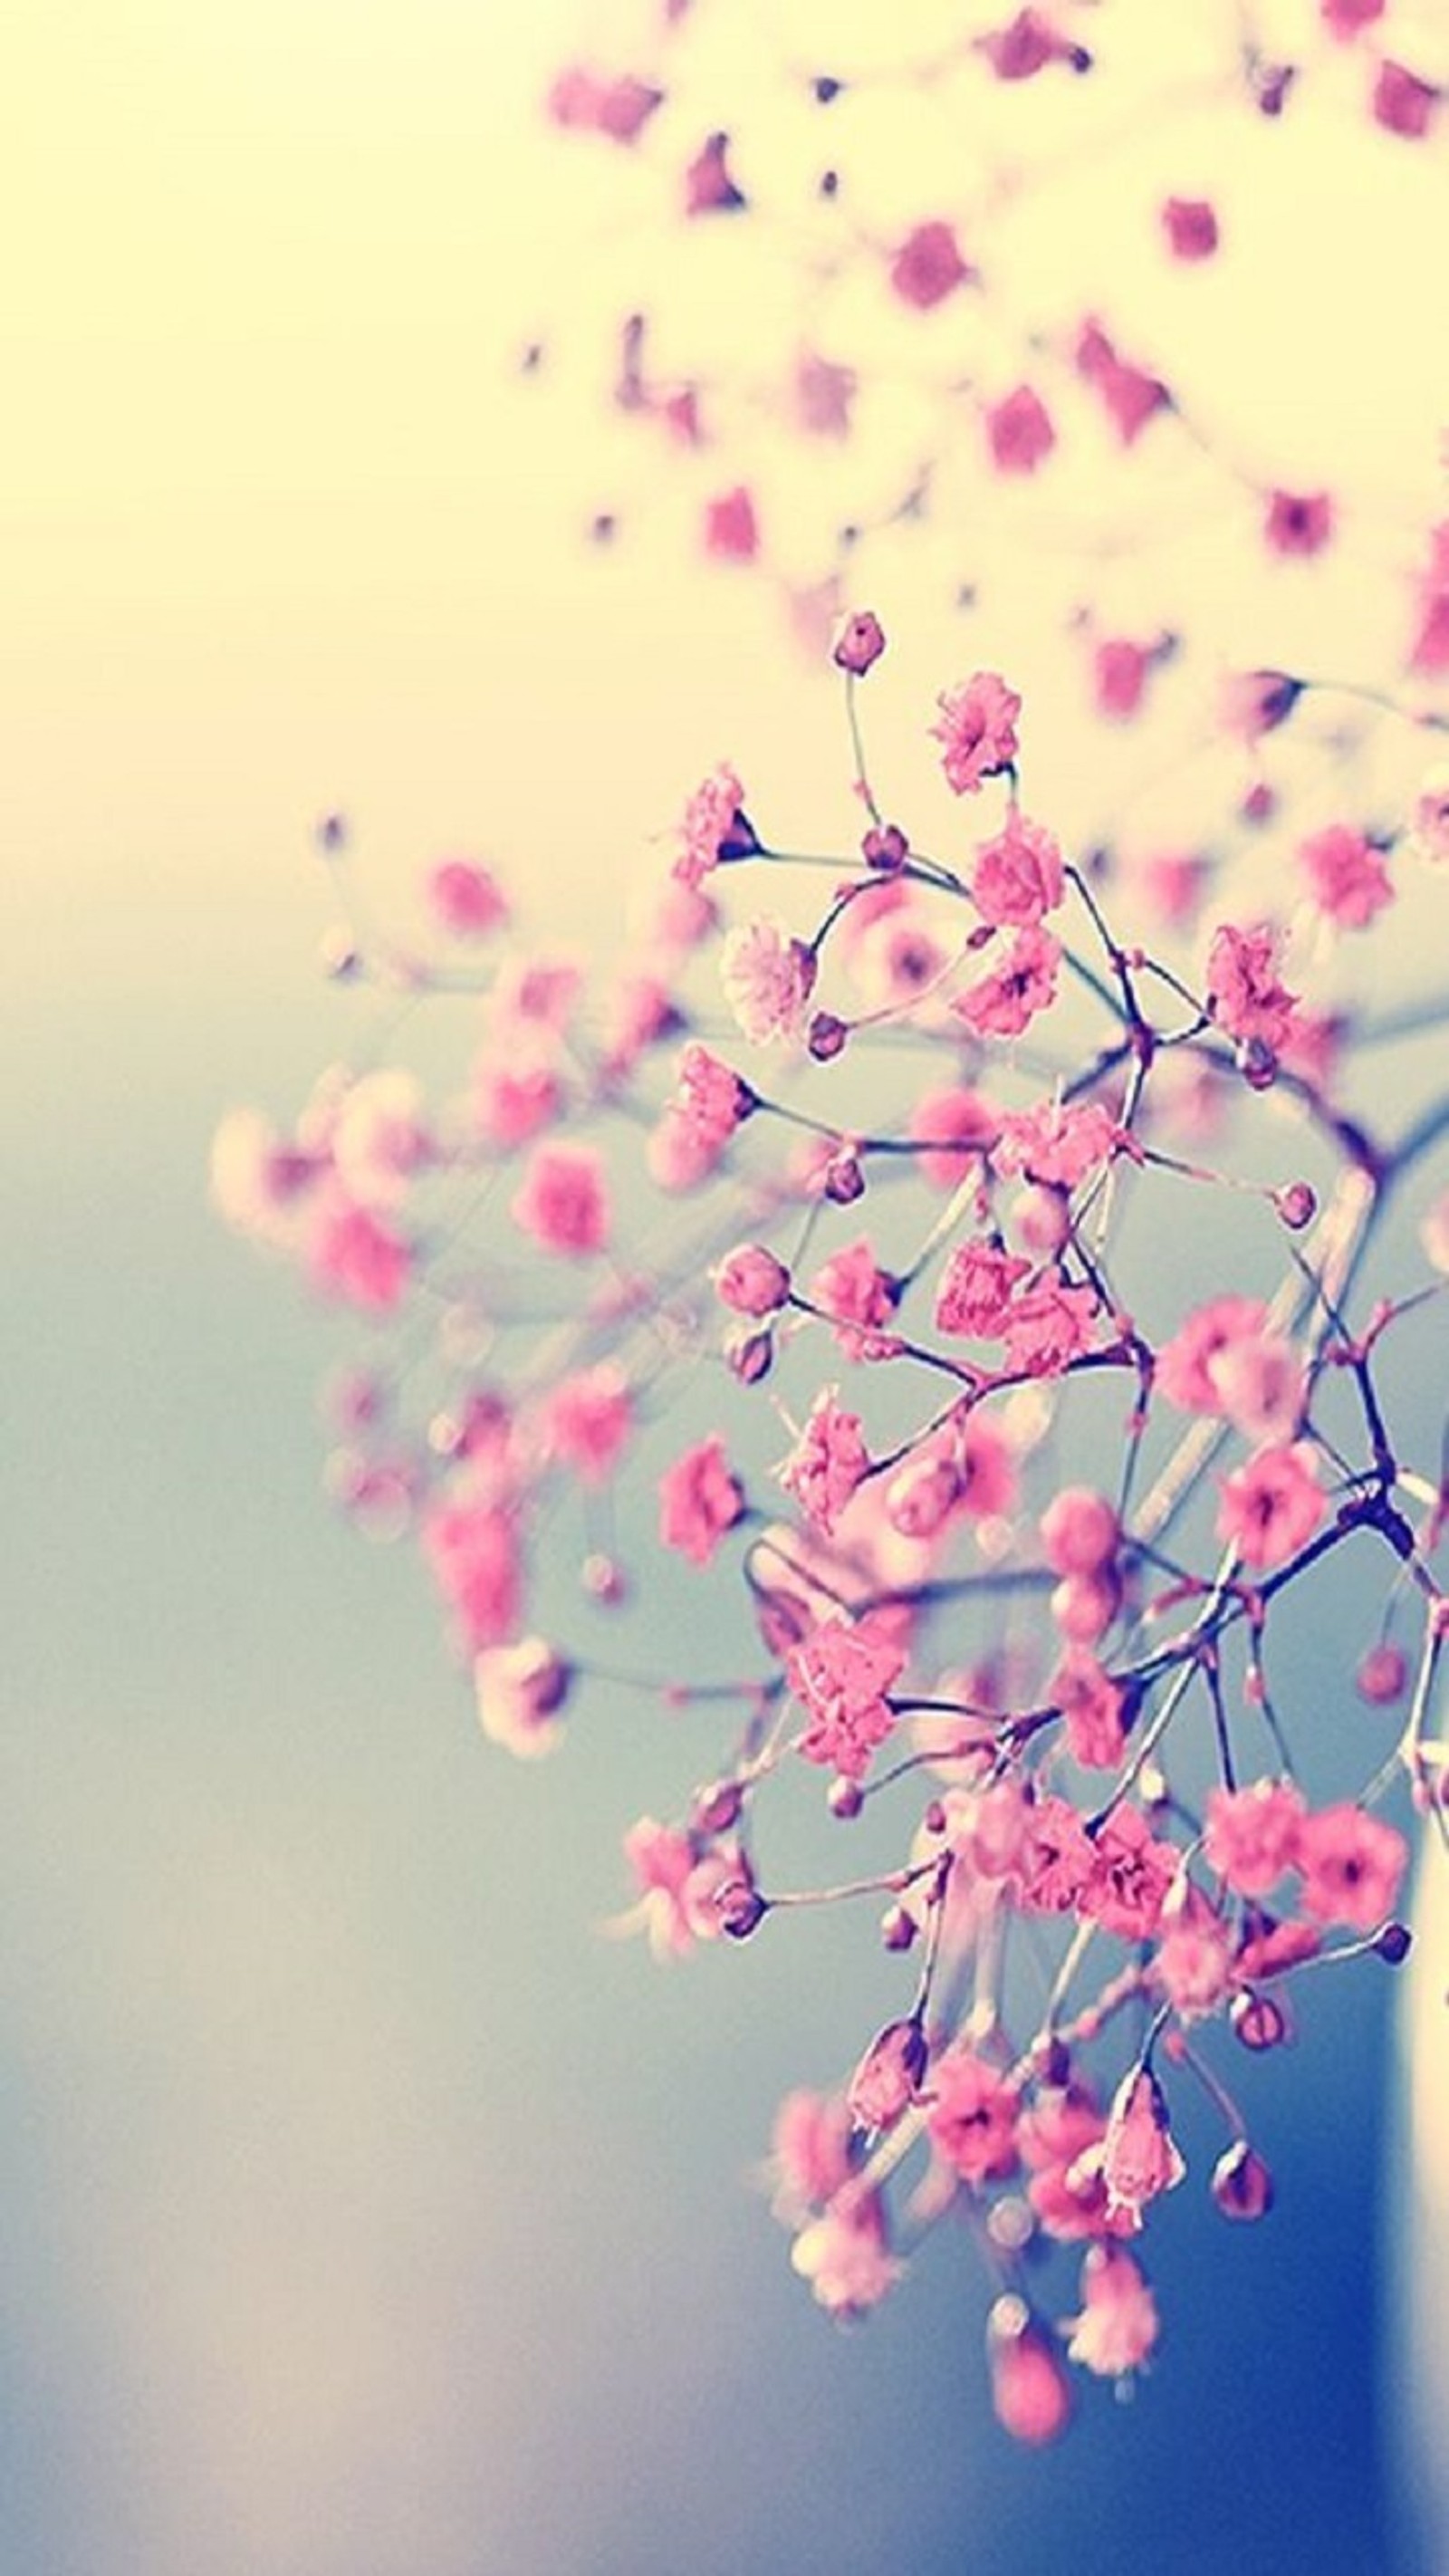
[[1005, 1002], [679, 1882], [1193, 1964], [768, 977], [1259, 1382], [886, 2080], [845, 2255], [1018, 876], [810, 2152], [1025, 46], [699, 1499], [1272, 1506], [1252, 703], [588, 1419], [860, 1301], [1191, 227], [1347, 878], [1030, 2390], [1091, 1705], [1130, 1878], [1352, 1866], [985, 1468], [520, 1692], [1130, 395], [1138, 2156], [1346, 19], [1079, 1531], [956, 1126], [709, 188], [824, 393], [1056, 1142], [617, 106], [1402, 103], [1298, 523], [977, 730], [976, 1289], [751, 1281], [1251, 1834], [860, 644], [356, 1257], [1056, 1859], [713, 826], [562, 1202], [1117, 2327], [1119, 674], [928, 266], [972, 2120], [827, 1462], [473, 1551], [1019, 431], [466, 899], [1049, 1327], [1185, 1363], [509, 1105], [1244, 994], [1429, 836], [379, 1138], [840, 1673], [731, 529]]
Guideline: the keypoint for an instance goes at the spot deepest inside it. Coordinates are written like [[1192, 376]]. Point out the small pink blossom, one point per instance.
[[768, 977], [1272, 1506], [700, 1498], [616, 105], [1251, 1834], [1259, 1381], [972, 2120], [588, 1420], [709, 185], [1428, 837], [1252, 703], [860, 1301], [1298, 523], [1429, 655], [1186, 1361], [1120, 672], [713, 826], [1130, 1877], [1080, 1531], [1193, 1964], [677, 1880], [985, 1466], [1048, 1327], [520, 1692], [840, 1673], [731, 528], [380, 1139], [824, 393], [1191, 227], [473, 1551], [1019, 431], [562, 1202], [1402, 103], [810, 2152], [1027, 44], [1347, 878], [1352, 1865], [1139, 2158], [1018, 876], [1030, 2391], [1056, 1859], [977, 730], [1244, 994], [1057, 1142], [955, 1127], [465, 899], [356, 1257], [1118, 2326], [845, 2254], [976, 1289], [1346, 19], [509, 1105], [1091, 1704], [1005, 1002], [1130, 395], [827, 1462], [928, 266], [751, 1281]]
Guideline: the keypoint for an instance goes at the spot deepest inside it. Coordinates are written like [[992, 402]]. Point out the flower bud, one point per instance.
[[888, 2075], [827, 1037], [718, 1807], [1394, 1943], [1030, 2389], [1242, 2185], [751, 1281], [897, 1928], [740, 1907], [885, 847], [844, 1180], [845, 1799], [750, 1356], [1297, 1205], [1258, 2022], [860, 644], [1381, 1676]]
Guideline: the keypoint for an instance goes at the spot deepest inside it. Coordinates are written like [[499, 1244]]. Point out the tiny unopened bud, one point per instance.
[[897, 1928], [1297, 1205], [885, 847], [919, 1501], [859, 644], [845, 1799], [886, 2079], [1257, 1064], [750, 1356], [1258, 2022], [826, 1037], [1394, 1943], [1030, 2389], [718, 1807], [741, 1908], [338, 957], [751, 1281], [844, 1180], [1242, 2185], [604, 1580], [1381, 1676]]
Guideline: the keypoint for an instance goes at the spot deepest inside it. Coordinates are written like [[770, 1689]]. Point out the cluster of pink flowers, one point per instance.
[[1001, 1343]]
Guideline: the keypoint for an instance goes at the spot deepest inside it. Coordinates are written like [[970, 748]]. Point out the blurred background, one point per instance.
[[362, 2209]]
